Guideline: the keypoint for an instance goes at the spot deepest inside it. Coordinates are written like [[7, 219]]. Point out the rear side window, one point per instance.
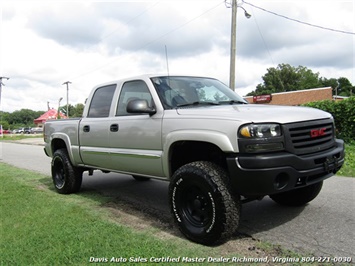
[[101, 101]]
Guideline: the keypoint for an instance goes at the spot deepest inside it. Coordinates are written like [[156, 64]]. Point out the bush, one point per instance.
[[343, 113]]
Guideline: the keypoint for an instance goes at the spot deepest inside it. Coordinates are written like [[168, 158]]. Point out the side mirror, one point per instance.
[[140, 107]]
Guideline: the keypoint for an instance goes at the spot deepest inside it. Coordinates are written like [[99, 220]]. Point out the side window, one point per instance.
[[101, 101], [133, 90]]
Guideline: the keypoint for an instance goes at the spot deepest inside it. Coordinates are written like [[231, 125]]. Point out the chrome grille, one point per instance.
[[309, 137]]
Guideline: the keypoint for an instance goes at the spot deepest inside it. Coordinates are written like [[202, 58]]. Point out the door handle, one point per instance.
[[114, 128], [86, 128]]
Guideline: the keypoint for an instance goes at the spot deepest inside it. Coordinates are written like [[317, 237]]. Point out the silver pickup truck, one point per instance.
[[216, 150]]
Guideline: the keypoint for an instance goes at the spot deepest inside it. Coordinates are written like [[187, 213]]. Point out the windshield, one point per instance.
[[175, 92]]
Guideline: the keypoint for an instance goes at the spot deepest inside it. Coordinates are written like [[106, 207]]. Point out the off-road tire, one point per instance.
[[202, 204], [298, 197], [66, 177]]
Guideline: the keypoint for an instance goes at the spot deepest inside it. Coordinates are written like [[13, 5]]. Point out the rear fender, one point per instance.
[[61, 140]]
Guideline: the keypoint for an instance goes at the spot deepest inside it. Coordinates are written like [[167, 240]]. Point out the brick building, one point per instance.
[[293, 97]]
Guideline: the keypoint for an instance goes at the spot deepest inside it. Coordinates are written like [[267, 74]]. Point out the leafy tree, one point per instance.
[[23, 117], [74, 111], [287, 78], [78, 110], [341, 86]]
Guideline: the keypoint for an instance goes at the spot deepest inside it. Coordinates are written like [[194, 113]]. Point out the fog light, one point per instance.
[[281, 181]]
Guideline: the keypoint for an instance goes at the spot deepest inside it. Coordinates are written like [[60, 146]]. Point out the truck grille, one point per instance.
[[309, 137]]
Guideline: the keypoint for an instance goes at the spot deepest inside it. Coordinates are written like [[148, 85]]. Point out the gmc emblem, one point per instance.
[[318, 132]]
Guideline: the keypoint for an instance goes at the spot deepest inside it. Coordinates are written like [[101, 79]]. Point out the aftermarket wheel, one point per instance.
[[66, 178], [298, 197], [201, 203]]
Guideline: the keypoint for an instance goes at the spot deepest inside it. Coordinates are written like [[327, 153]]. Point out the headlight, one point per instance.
[[256, 131]]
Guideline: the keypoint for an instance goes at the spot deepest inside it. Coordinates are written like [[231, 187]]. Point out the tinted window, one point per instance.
[[101, 101], [181, 91], [133, 90]]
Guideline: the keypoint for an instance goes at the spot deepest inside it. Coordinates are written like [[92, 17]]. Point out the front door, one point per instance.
[[135, 139]]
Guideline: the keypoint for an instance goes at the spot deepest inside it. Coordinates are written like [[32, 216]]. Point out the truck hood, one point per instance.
[[253, 113]]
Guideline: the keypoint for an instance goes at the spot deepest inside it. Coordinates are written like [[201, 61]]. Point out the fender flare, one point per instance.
[[219, 139]]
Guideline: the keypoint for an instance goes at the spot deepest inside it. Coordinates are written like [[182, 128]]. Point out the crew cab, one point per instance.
[[216, 150]]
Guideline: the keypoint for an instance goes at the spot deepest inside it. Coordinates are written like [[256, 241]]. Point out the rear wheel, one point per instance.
[[66, 177], [201, 203], [298, 197]]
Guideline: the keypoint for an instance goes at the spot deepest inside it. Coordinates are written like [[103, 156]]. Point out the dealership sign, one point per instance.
[[262, 98]]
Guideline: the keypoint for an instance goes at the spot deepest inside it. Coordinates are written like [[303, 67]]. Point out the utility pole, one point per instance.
[[234, 5], [1, 84], [233, 45], [67, 83]]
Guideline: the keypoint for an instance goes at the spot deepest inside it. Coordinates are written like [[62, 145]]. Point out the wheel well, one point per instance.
[[183, 152], [58, 144]]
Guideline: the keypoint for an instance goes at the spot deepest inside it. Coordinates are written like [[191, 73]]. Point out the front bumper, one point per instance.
[[265, 174]]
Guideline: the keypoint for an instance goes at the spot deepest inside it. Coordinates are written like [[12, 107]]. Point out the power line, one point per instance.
[[299, 21]]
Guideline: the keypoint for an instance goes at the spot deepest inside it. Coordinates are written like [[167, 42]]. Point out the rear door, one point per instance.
[[94, 129]]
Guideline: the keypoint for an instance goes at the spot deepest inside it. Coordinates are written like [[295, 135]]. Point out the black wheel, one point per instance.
[[201, 203], [66, 178], [298, 197], [140, 178]]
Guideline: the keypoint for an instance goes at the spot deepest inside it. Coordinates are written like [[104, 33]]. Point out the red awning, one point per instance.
[[50, 114]]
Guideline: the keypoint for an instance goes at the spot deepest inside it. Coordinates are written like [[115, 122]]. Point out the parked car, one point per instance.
[[18, 131], [27, 130], [5, 131], [37, 130]]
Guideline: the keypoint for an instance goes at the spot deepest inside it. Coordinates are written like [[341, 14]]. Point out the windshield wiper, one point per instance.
[[197, 103], [232, 102]]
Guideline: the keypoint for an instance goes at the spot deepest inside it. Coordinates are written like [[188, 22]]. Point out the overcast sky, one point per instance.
[[45, 43]]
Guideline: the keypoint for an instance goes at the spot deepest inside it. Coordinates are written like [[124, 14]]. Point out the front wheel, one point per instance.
[[66, 177], [299, 196], [202, 204]]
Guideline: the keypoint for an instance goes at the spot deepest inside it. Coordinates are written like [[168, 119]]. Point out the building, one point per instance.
[[293, 97], [50, 114]]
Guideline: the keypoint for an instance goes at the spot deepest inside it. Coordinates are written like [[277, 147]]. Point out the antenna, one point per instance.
[[167, 61]]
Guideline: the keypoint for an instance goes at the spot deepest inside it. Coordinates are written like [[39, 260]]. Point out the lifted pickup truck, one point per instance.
[[216, 150]]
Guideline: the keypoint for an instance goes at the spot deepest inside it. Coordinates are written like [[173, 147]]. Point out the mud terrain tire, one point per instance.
[[66, 177], [202, 204]]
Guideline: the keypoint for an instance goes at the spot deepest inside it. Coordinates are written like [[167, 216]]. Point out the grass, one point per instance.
[[40, 227], [19, 136], [348, 168]]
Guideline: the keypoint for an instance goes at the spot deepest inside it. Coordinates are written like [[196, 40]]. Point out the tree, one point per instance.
[[287, 78], [341, 86], [74, 111], [78, 110]]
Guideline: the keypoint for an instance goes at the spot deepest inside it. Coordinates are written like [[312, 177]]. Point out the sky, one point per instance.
[[46, 43]]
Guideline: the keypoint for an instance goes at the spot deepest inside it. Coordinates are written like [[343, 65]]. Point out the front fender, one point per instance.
[[217, 138]]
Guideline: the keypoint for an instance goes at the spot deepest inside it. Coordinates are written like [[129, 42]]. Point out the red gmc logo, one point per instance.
[[318, 132]]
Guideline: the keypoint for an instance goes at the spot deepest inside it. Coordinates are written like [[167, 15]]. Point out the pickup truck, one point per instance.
[[216, 150]]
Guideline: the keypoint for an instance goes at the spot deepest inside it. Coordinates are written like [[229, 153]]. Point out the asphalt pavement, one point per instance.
[[324, 227]]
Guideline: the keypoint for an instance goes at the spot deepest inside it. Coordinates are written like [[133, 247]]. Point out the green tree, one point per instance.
[[78, 110], [341, 86], [287, 78], [74, 111], [23, 117]]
